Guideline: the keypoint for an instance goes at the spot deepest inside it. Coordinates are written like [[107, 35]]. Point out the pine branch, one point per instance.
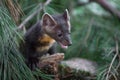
[[41, 6], [30, 17], [112, 62], [11, 61]]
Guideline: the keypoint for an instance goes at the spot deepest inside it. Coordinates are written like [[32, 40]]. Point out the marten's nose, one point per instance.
[[70, 43], [68, 39]]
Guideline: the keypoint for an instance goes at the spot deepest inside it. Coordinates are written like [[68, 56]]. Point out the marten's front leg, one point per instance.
[[32, 59], [32, 62]]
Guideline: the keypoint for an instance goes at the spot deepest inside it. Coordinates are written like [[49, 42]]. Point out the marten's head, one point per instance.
[[58, 27]]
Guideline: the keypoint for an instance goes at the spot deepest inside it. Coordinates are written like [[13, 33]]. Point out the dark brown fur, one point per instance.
[[40, 38]]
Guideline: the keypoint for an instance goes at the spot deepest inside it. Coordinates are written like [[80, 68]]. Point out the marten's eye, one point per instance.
[[59, 34]]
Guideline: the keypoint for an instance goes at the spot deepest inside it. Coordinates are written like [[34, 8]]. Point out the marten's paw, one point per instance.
[[32, 63]]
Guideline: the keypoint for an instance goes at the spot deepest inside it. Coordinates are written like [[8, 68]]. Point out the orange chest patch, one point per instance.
[[47, 42], [46, 39]]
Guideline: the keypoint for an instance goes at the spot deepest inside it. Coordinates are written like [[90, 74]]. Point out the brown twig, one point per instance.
[[108, 7], [105, 5], [41, 6], [14, 9]]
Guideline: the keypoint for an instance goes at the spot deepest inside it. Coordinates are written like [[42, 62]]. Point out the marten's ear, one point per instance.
[[47, 20], [66, 15]]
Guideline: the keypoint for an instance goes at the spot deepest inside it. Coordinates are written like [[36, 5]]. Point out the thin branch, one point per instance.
[[108, 7], [111, 64], [29, 17], [114, 76], [89, 31], [105, 5], [47, 2], [21, 26], [102, 73], [111, 51]]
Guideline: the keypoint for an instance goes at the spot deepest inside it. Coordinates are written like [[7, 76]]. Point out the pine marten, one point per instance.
[[41, 37]]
